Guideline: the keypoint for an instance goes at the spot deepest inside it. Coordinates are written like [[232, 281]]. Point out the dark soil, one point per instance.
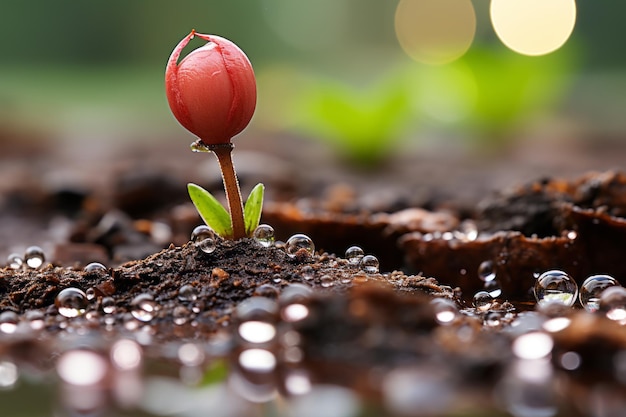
[[371, 331]]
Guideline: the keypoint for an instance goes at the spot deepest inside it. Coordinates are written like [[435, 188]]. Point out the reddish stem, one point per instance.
[[231, 185]]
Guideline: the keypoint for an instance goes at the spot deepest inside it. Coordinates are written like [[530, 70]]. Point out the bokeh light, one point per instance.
[[533, 27], [435, 31]]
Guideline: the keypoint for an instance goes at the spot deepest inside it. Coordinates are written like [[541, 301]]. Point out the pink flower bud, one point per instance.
[[212, 91]]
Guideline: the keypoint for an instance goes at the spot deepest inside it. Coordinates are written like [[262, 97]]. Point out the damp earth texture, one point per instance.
[[326, 310]]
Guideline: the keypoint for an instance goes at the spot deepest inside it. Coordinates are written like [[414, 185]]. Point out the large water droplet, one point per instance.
[[445, 310], [267, 291], [15, 261], [187, 293], [108, 305], [493, 288], [482, 300], [204, 238], [71, 302], [95, 267], [613, 303], [34, 257], [533, 345], [299, 244], [143, 307], [369, 264], [556, 286], [257, 360], [256, 331], [592, 288], [8, 322], [257, 308], [264, 235], [354, 254], [487, 271]]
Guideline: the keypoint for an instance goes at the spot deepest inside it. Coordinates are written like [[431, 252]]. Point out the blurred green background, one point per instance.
[[327, 69]]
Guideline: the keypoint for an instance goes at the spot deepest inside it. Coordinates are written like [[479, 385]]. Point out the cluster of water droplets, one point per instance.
[[33, 258], [263, 345], [204, 238], [598, 293]]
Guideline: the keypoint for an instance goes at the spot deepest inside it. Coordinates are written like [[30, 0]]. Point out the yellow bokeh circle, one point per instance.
[[533, 27], [435, 31]]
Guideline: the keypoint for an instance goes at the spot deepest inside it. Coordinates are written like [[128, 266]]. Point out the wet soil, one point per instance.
[[378, 332]]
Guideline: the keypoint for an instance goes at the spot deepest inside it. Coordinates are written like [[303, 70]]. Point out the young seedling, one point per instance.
[[212, 93]]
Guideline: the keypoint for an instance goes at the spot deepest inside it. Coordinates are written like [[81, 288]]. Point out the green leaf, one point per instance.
[[253, 208], [212, 212]]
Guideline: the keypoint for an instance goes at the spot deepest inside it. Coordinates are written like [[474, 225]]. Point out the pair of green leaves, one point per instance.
[[217, 217]]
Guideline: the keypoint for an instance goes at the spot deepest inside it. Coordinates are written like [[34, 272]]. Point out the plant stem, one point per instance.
[[231, 185]]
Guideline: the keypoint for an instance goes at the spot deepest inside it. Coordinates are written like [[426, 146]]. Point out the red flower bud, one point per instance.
[[212, 91]]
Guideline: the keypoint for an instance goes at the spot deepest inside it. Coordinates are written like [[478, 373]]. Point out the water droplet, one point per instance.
[[556, 286], [190, 354], [207, 245], [492, 319], [204, 238], [143, 307], [533, 345], [71, 302], [256, 331], [345, 278], [298, 244], [264, 235], [257, 360], [8, 322], [556, 324], [295, 312], [308, 273], [592, 288], [90, 293], [487, 271], [126, 354], [298, 382], [34, 257], [187, 293], [482, 300], [95, 267], [445, 310], [196, 306], [354, 254], [326, 281], [180, 315], [35, 319], [613, 303], [493, 288], [108, 305], [9, 374], [15, 261], [82, 367], [369, 264], [257, 308], [295, 293], [267, 290]]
